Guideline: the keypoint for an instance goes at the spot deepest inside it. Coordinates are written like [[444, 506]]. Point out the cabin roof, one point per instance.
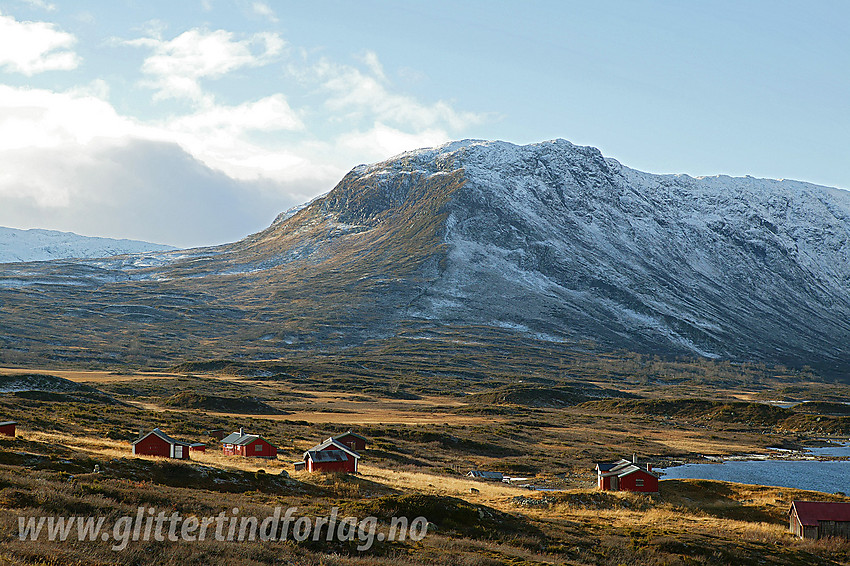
[[163, 436], [243, 439], [621, 468], [349, 433], [8, 423], [811, 513], [327, 444], [326, 456], [485, 475]]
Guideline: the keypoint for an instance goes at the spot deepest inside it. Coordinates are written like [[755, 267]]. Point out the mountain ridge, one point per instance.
[[550, 240]]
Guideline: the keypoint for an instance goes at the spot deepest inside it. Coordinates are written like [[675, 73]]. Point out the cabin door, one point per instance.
[[615, 483], [178, 451]]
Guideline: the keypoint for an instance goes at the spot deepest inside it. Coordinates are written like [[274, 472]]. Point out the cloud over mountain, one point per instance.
[[134, 188], [201, 165]]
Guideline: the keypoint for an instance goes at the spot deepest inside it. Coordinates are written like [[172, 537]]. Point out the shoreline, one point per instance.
[[801, 451]]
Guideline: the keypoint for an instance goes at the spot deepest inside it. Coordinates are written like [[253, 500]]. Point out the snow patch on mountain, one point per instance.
[[45, 245]]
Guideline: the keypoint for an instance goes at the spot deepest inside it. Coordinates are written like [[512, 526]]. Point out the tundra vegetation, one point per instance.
[[430, 415]]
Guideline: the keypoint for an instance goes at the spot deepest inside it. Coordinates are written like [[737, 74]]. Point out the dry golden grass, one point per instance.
[[491, 493], [384, 416], [87, 445], [215, 457], [84, 376], [339, 408], [686, 441]]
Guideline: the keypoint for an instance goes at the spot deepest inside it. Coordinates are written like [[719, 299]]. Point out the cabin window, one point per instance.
[[639, 482], [258, 448]]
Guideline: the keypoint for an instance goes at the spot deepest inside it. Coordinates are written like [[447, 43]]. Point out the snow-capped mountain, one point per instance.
[[554, 240], [550, 241], [45, 245]]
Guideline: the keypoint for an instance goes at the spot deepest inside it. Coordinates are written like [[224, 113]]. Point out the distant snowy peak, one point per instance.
[[45, 245]]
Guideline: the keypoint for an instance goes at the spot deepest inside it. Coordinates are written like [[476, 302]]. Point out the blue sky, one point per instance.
[[196, 122]]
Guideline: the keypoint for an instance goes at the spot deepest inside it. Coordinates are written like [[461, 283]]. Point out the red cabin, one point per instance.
[[241, 444], [331, 456], [157, 443], [198, 447], [820, 519], [8, 428], [626, 476], [352, 440]]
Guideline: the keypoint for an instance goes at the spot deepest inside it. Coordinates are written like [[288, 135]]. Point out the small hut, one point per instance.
[[820, 519], [8, 428], [157, 443]]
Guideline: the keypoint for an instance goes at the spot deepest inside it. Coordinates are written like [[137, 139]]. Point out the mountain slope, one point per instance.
[[556, 239], [550, 240], [45, 245]]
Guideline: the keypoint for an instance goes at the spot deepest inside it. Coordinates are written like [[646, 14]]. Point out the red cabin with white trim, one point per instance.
[[331, 456], [252, 445], [626, 476], [157, 443]]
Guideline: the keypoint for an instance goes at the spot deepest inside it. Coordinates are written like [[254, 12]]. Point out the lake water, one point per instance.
[[816, 475]]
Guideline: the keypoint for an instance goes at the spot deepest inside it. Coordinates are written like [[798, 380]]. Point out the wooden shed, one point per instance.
[[820, 519], [331, 456], [8, 428], [157, 443], [625, 475], [252, 445]]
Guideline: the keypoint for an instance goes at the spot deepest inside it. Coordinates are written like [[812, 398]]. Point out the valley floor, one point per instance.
[[420, 447]]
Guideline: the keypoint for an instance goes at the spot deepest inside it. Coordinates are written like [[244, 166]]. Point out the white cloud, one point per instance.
[[374, 64], [47, 6], [219, 136], [69, 160], [272, 113], [382, 141], [356, 94], [263, 9], [178, 65], [41, 118], [35, 47], [133, 189]]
